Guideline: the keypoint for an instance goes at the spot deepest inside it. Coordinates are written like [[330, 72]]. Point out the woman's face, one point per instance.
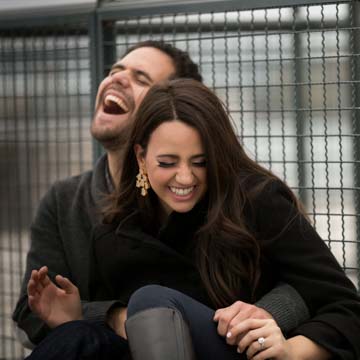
[[175, 164]]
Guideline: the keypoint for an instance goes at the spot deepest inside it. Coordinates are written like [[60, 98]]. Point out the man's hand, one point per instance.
[[116, 320], [54, 305], [233, 315]]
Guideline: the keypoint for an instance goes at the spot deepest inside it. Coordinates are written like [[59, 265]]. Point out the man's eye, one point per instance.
[[166, 164], [143, 82]]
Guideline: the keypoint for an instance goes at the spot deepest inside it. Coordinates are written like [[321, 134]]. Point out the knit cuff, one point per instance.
[[286, 306], [96, 311]]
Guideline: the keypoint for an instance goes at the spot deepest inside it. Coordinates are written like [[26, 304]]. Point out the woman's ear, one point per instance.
[[139, 153]]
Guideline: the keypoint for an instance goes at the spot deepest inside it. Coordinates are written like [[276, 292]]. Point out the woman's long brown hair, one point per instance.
[[227, 251]]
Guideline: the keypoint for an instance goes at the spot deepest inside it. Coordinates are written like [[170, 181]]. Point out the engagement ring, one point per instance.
[[261, 341]]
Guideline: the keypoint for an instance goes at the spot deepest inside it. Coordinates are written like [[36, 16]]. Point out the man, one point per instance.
[[61, 231]]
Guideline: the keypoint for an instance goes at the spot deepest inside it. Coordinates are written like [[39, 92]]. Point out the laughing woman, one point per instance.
[[212, 228]]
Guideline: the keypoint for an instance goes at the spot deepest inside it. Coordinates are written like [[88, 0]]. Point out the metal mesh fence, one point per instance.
[[289, 76], [44, 120]]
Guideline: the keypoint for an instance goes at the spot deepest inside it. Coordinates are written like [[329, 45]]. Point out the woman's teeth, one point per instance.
[[181, 191]]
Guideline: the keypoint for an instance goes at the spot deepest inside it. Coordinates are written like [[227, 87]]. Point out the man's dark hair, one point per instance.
[[184, 66]]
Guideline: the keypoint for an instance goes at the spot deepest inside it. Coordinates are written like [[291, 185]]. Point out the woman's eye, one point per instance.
[[166, 164], [200, 163]]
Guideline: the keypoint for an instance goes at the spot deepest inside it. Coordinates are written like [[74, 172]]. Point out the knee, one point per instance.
[[70, 337], [80, 339], [149, 296], [83, 332]]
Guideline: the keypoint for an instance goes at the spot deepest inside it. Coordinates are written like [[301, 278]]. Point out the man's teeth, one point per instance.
[[112, 98], [181, 191]]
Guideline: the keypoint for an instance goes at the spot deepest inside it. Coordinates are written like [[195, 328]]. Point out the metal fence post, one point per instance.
[[103, 49]]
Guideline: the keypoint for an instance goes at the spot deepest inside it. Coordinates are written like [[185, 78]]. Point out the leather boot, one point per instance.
[[159, 334]]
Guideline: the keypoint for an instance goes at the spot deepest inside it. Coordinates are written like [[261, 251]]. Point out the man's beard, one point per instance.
[[111, 139]]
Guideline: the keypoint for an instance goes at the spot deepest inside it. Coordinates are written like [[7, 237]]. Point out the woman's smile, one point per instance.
[[182, 192]]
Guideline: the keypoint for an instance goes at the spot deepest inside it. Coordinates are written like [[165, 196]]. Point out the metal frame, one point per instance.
[[118, 10], [100, 24], [101, 32], [38, 13], [48, 21], [356, 119]]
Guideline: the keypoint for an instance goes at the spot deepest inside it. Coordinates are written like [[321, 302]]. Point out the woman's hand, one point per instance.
[[235, 314], [261, 339], [253, 330], [54, 305]]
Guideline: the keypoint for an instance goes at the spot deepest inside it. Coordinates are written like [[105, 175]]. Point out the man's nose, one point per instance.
[[122, 77]]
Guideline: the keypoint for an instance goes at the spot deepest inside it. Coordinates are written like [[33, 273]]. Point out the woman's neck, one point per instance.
[[162, 215]]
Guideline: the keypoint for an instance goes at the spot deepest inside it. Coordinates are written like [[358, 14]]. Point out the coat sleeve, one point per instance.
[[299, 257], [285, 305], [46, 248]]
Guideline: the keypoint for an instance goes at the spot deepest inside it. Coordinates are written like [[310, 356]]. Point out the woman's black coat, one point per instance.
[[125, 257]]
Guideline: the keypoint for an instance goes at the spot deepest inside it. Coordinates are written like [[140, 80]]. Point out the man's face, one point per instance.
[[122, 91]]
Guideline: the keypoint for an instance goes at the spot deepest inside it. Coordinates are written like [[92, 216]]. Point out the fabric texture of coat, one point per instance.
[[61, 239]]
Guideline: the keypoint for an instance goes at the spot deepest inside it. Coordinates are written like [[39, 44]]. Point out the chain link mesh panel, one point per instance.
[[44, 121], [289, 76]]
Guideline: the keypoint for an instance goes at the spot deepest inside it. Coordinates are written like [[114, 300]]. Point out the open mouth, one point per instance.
[[181, 191], [114, 105]]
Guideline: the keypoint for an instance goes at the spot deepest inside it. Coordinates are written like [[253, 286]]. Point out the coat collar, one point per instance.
[[178, 233], [99, 186]]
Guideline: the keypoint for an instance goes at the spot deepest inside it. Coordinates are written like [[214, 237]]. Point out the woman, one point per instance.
[[212, 227], [240, 225]]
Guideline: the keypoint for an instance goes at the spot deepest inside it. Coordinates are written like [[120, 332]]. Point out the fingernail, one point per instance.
[[228, 334], [238, 350]]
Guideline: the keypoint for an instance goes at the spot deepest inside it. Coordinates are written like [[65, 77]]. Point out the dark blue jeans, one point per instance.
[[97, 341], [208, 345], [83, 340]]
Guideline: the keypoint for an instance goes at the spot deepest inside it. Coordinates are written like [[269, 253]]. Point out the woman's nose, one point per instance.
[[184, 176]]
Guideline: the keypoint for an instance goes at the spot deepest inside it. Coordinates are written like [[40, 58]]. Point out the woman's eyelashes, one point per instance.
[[201, 163], [166, 164]]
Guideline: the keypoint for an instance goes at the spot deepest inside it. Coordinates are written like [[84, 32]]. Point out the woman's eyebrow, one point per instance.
[[176, 156], [198, 156], [167, 156]]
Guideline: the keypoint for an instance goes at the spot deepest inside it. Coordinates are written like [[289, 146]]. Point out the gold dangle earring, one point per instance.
[[142, 181]]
